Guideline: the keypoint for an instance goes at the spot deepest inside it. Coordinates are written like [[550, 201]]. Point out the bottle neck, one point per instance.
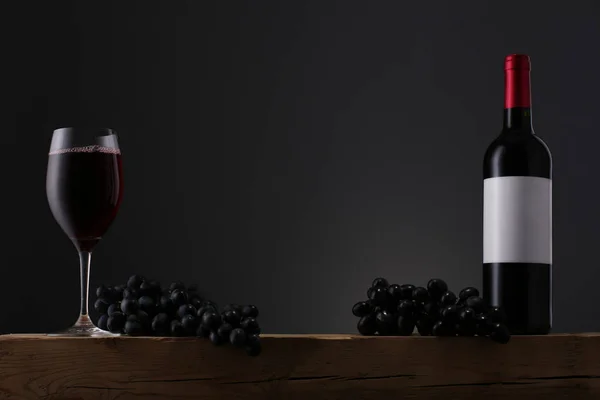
[[517, 100]]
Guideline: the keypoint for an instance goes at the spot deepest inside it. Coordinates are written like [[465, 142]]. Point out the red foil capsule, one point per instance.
[[517, 91]]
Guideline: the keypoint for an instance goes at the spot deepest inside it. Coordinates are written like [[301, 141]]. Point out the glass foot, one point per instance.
[[84, 327]]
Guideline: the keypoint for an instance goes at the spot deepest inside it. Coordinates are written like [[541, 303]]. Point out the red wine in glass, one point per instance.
[[84, 186]]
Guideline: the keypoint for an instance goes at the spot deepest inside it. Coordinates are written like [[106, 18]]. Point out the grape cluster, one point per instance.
[[432, 310], [143, 308]]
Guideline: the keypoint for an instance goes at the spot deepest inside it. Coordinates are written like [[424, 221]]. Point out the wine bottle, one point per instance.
[[517, 212]]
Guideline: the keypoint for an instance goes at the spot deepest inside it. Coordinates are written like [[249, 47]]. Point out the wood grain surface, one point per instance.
[[301, 367]]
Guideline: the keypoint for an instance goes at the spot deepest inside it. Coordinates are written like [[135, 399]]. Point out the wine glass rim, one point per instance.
[[102, 131]]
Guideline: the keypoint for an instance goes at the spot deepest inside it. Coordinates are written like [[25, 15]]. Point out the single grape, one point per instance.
[[203, 332], [102, 291], [196, 302], [130, 293], [405, 326], [113, 308], [237, 337], [179, 297], [166, 305], [380, 282], [147, 304], [448, 299], [204, 309], [253, 346], [249, 325], [224, 330], [102, 322], [441, 328], [119, 289], [133, 328], [135, 281], [129, 306], [116, 322], [211, 320], [431, 308], [484, 326], [190, 323], [144, 319], [407, 308], [420, 295], [216, 339], [500, 333], [395, 292], [186, 309], [476, 303], [436, 288], [425, 325], [466, 314], [468, 292], [361, 309], [406, 292], [367, 325], [250, 311], [161, 324], [177, 328], [386, 323], [177, 285], [496, 315], [101, 306], [232, 317], [379, 296], [449, 314]]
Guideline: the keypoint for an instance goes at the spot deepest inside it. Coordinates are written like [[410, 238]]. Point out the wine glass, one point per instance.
[[84, 186]]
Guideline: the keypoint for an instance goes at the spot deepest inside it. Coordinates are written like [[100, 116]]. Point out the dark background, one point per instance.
[[285, 153]]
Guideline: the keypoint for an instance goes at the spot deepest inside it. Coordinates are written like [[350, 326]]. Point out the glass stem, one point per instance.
[[85, 258]]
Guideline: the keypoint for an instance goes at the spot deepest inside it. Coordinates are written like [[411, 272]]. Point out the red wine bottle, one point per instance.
[[517, 212]]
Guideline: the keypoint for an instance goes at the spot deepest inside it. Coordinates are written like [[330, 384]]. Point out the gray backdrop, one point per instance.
[[285, 153]]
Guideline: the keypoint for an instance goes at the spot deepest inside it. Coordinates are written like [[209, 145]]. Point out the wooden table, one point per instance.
[[301, 367]]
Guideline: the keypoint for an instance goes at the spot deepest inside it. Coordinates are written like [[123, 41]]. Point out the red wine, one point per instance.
[[517, 212], [84, 187]]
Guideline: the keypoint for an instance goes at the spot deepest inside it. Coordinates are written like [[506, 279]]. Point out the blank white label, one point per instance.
[[517, 220]]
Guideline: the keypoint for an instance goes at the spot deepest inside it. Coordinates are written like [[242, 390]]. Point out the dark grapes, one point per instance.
[[393, 309], [144, 319], [253, 346], [130, 293], [176, 286], [436, 288], [232, 317], [361, 309], [203, 332], [380, 282], [166, 305]]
